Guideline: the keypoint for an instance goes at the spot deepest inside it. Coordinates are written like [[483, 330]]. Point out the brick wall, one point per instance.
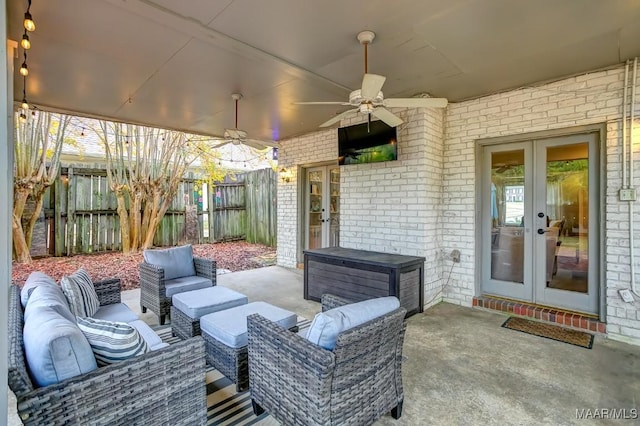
[[587, 99], [424, 203]]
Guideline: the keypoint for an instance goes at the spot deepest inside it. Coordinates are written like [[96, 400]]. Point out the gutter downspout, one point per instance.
[[631, 183]]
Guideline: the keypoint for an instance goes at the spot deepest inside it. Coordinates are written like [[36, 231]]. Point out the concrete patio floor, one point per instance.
[[463, 368]]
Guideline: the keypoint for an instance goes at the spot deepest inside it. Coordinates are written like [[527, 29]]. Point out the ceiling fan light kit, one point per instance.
[[370, 100]]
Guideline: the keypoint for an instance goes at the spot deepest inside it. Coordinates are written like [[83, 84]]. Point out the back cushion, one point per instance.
[[34, 280], [176, 261], [81, 294], [326, 326], [112, 341], [48, 296], [55, 347]]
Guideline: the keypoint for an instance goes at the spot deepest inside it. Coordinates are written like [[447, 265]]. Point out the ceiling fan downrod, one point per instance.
[[366, 37]]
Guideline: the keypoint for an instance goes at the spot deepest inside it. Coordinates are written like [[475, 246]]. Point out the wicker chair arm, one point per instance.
[[205, 268], [162, 387], [280, 364], [152, 277], [330, 301], [108, 291]]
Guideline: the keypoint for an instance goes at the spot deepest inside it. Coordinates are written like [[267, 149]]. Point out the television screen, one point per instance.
[[367, 143]]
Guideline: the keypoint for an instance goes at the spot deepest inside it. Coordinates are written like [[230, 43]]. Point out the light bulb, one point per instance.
[[29, 25], [23, 117], [25, 104], [24, 71], [25, 42]]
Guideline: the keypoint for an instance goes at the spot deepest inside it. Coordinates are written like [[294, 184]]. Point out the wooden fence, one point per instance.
[[80, 212]]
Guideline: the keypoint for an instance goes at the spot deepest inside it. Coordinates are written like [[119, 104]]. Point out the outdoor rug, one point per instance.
[[550, 331], [224, 405]]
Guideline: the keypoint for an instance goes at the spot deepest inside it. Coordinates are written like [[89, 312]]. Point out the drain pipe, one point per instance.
[[631, 183]]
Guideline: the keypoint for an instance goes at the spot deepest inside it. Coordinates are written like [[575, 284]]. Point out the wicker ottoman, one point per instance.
[[188, 307], [225, 337]]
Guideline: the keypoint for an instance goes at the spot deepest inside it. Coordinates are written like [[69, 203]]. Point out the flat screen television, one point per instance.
[[367, 143]]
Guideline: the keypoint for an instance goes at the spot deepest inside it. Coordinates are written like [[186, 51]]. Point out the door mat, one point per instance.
[[553, 332]]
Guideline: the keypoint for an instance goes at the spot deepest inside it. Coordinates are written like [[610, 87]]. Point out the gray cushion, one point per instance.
[[197, 303], [55, 348], [51, 296], [154, 342], [182, 284], [35, 279], [115, 312], [112, 341], [176, 261], [81, 295], [326, 326], [230, 326]]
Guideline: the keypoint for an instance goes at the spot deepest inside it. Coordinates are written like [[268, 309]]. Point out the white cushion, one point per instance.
[[34, 280], [197, 303], [182, 284], [326, 326], [115, 312], [230, 326], [154, 342], [82, 296], [176, 261], [54, 346], [112, 341]]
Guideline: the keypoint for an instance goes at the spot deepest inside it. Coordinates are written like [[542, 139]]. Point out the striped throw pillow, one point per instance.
[[82, 296], [112, 341]]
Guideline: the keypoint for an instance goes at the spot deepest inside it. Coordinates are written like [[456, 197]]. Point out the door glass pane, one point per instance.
[[507, 216], [567, 217], [315, 209], [334, 207]]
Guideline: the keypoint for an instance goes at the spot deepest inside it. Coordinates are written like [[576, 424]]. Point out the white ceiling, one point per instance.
[[175, 64]]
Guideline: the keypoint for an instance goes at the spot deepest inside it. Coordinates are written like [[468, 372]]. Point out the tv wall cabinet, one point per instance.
[[360, 275]]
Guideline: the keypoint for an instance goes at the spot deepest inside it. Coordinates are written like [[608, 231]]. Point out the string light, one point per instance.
[[25, 42], [23, 117], [24, 71], [29, 25]]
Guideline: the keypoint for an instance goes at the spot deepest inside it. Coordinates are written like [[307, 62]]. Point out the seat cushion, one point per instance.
[[230, 326], [82, 296], [326, 326], [197, 303], [34, 280], [55, 348], [112, 341], [51, 296], [182, 284], [175, 261], [115, 312], [154, 342]]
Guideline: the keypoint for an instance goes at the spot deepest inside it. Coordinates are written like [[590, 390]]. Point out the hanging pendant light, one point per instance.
[[25, 42]]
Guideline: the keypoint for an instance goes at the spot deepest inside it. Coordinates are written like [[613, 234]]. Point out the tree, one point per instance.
[[144, 169], [38, 144]]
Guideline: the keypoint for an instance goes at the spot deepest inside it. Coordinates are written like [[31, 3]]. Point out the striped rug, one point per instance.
[[224, 405]]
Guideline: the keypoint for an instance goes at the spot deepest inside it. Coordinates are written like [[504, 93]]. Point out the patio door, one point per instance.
[[539, 222], [322, 207]]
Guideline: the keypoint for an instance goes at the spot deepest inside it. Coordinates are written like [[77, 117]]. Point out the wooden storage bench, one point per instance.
[[360, 275]]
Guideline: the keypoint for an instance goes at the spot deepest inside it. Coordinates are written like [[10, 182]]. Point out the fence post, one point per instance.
[[71, 210], [58, 224]]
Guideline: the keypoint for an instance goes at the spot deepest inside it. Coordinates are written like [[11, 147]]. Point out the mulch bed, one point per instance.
[[234, 256]]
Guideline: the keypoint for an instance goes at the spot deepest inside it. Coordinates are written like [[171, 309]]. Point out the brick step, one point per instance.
[[556, 316]]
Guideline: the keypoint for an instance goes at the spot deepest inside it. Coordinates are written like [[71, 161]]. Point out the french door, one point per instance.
[[540, 221], [322, 207]]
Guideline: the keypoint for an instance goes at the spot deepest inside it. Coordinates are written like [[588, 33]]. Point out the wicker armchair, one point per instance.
[[166, 386], [152, 285], [300, 383]]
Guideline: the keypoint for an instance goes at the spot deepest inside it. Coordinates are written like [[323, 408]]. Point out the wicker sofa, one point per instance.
[[298, 382], [165, 386], [162, 274]]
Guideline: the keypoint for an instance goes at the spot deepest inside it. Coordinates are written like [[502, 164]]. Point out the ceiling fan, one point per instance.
[[239, 137], [370, 100]]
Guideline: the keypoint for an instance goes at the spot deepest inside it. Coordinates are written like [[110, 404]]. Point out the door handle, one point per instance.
[[541, 231]]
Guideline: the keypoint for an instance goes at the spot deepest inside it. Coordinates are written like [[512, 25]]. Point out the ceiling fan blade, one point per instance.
[[338, 117], [416, 102], [232, 133], [265, 144], [371, 85], [254, 144], [220, 144], [387, 116], [321, 103]]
